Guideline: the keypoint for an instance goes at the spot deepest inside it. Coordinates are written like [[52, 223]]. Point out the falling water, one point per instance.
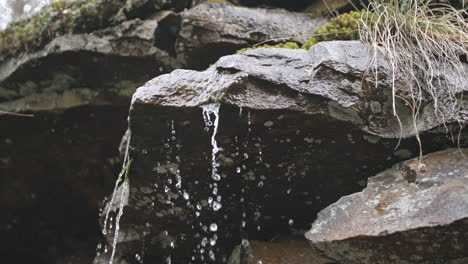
[[125, 188], [119, 180], [214, 203]]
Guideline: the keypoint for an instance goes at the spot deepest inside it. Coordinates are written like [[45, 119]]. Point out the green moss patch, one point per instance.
[[58, 18], [342, 27]]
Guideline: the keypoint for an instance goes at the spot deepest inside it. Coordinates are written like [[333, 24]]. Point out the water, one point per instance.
[[211, 118]]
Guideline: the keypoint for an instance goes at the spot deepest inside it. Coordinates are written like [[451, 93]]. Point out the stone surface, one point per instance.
[[297, 130], [332, 79], [411, 213], [211, 30], [284, 251], [100, 68]]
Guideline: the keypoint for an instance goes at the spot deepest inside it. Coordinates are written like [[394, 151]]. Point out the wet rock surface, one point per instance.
[[294, 131], [211, 30], [407, 214]]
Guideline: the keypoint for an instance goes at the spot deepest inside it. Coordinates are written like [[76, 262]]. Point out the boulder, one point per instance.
[[256, 146], [415, 212], [211, 30]]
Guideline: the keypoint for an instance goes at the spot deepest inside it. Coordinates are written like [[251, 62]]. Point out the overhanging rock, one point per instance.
[[255, 146]]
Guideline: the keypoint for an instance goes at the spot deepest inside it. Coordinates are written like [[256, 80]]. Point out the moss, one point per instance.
[[342, 27], [286, 45], [58, 18]]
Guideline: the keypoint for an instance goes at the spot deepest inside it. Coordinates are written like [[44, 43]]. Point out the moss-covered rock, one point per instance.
[[56, 19], [77, 16]]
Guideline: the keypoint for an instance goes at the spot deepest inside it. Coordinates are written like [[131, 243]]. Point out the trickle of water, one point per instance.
[[207, 111], [125, 189], [119, 180]]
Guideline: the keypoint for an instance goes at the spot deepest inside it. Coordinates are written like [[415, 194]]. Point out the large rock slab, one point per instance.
[[407, 214], [295, 130], [211, 30]]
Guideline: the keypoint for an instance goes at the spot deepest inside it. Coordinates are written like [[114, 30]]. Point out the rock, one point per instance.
[[279, 252], [293, 134], [100, 68], [211, 30], [336, 72], [411, 213], [142, 8]]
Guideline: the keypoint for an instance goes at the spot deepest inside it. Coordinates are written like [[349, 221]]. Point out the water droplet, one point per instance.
[[259, 262], [260, 184], [214, 227], [216, 177], [291, 222], [137, 257], [212, 241], [243, 223], [186, 196], [172, 245], [245, 243], [216, 206], [238, 169]]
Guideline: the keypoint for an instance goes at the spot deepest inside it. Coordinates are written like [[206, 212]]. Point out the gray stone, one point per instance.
[[412, 213], [211, 30]]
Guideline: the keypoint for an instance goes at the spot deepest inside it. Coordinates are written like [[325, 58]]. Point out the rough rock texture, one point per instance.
[[297, 130], [285, 251], [407, 214], [332, 79], [100, 68], [211, 30]]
